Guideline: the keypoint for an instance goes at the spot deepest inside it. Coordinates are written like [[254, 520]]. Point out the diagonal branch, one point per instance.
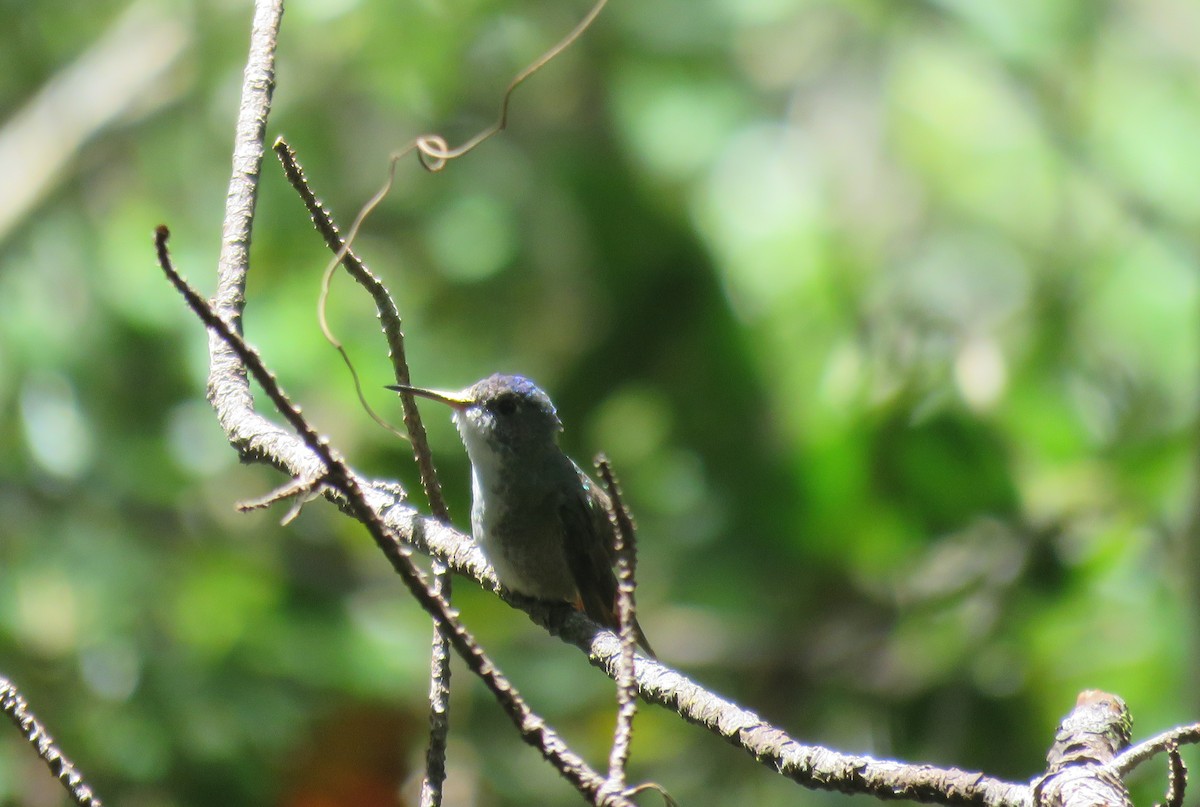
[[389, 320], [13, 705], [1129, 759]]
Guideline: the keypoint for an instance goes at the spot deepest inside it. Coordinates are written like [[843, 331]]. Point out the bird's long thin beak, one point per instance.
[[456, 400]]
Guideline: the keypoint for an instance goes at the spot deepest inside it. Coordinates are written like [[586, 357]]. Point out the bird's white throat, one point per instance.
[[487, 463]]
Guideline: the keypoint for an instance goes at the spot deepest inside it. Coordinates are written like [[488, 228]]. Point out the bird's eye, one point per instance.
[[506, 405]]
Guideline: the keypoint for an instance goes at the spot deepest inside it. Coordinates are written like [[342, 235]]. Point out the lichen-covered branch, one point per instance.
[[1088, 739]]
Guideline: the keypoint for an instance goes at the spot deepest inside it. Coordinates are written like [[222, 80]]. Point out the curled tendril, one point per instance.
[[434, 154]]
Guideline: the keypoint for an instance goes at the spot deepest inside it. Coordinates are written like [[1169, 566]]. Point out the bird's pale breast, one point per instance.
[[521, 533]]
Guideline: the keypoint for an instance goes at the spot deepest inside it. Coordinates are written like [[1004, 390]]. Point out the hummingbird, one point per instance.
[[540, 520]]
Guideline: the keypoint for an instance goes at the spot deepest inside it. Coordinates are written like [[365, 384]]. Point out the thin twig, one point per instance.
[[1176, 779], [1129, 759], [625, 546], [433, 783], [293, 488], [533, 729], [13, 705], [390, 322]]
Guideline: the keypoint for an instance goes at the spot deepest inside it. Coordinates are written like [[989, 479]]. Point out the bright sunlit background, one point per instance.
[[886, 311]]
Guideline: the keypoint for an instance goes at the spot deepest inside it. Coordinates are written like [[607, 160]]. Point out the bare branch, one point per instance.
[[439, 699], [302, 490], [1176, 779], [625, 546], [390, 322], [228, 388], [292, 488], [1144, 751], [13, 705], [1088, 739]]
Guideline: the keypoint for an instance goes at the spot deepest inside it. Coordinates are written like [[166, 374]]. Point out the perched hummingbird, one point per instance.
[[540, 520]]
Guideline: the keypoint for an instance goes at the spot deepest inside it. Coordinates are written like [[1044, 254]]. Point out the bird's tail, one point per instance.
[[607, 616]]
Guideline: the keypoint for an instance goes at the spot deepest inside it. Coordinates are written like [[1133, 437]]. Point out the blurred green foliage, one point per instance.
[[886, 313]]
